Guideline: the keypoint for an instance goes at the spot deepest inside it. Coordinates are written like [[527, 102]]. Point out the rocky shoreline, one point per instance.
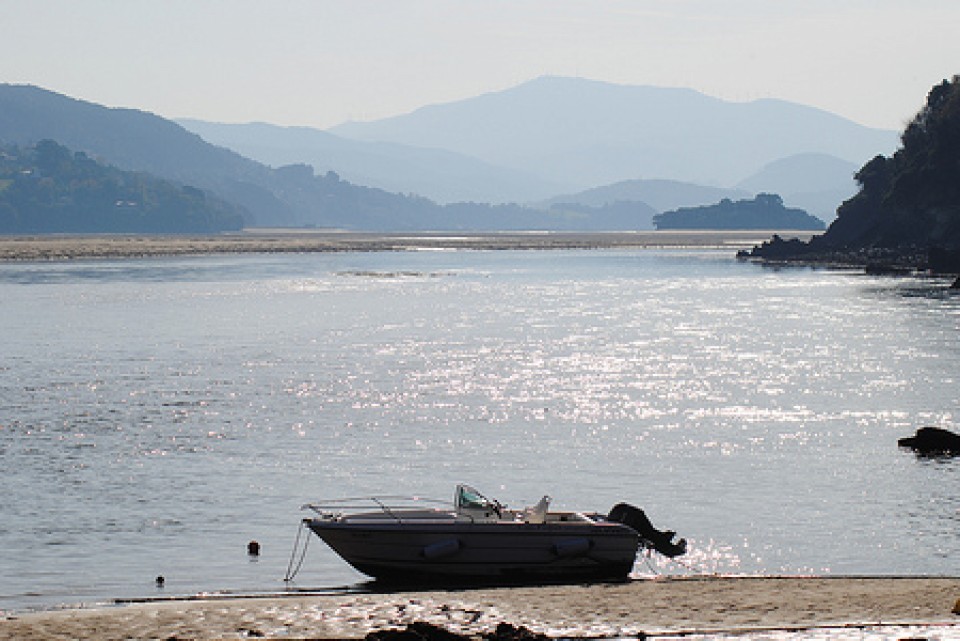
[[894, 261]]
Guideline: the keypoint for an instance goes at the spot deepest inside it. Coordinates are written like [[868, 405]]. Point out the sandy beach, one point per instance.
[[655, 607], [56, 247]]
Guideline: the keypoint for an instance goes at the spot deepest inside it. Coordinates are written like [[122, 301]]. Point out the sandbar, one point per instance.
[[68, 247], [656, 607]]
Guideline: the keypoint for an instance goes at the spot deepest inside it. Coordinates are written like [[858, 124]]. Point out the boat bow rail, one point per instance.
[[468, 506], [380, 508]]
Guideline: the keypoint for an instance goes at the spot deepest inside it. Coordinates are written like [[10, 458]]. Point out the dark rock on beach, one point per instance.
[[422, 631], [510, 632], [932, 441], [416, 631]]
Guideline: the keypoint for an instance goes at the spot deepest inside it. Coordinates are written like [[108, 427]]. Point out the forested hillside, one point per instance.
[[908, 206], [48, 188], [766, 211]]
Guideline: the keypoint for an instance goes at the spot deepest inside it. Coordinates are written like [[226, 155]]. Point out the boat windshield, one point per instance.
[[467, 498]]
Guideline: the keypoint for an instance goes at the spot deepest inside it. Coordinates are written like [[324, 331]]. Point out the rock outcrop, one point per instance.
[[907, 212], [932, 441]]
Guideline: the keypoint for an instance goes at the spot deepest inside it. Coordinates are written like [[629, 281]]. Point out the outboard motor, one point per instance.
[[660, 540]]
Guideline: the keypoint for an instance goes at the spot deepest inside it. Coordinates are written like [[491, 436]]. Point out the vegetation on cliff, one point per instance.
[[766, 211], [907, 212], [47, 188]]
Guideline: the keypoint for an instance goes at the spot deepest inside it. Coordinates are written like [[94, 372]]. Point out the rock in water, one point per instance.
[[932, 440]]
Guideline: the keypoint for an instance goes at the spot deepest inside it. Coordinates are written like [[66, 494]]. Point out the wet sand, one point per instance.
[[56, 247], [666, 606]]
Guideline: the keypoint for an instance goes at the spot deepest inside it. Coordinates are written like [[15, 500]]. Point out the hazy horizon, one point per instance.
[[320, 64]]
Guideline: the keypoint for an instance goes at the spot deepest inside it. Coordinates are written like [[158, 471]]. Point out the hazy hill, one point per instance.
[[766, 211], [644, 198], [541, 112], [816, 183], [661, 195], [291, 195], [624, 215], [442, 176], [140, 141], [585, 133]]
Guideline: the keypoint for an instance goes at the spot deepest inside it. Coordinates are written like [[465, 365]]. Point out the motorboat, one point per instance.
[[478, 540]]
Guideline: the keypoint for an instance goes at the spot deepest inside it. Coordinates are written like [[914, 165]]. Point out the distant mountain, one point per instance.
[[138, 141], [766, 211], [442, 176], [643, 198], [585, 133], [571, 131], [291, 195], [660, 195], [623, 215], [816, 183]]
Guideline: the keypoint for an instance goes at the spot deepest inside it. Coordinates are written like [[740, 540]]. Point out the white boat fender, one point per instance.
[[441, 549], [572, 547]]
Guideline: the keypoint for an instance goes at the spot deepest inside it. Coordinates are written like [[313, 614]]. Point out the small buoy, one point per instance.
[[253, 548], [160, 581]]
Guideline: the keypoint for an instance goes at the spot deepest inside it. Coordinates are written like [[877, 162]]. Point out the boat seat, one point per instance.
[[538, 512]]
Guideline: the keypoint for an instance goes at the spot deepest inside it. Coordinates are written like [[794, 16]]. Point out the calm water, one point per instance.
[[158, 414]]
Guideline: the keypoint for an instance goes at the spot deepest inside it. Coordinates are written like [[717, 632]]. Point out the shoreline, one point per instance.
[[666, 606], [265, 241]]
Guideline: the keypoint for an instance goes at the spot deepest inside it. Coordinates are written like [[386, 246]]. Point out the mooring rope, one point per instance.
[[291, 570], [647, 554], [646, 559]]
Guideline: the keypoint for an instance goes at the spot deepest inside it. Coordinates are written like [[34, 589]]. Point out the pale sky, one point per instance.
[[322, 62]]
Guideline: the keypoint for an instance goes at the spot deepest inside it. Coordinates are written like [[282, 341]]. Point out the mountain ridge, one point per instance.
[[287, 196], [814, 182], [586, 133], [659, 193], [441, 175], [296, 195]]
